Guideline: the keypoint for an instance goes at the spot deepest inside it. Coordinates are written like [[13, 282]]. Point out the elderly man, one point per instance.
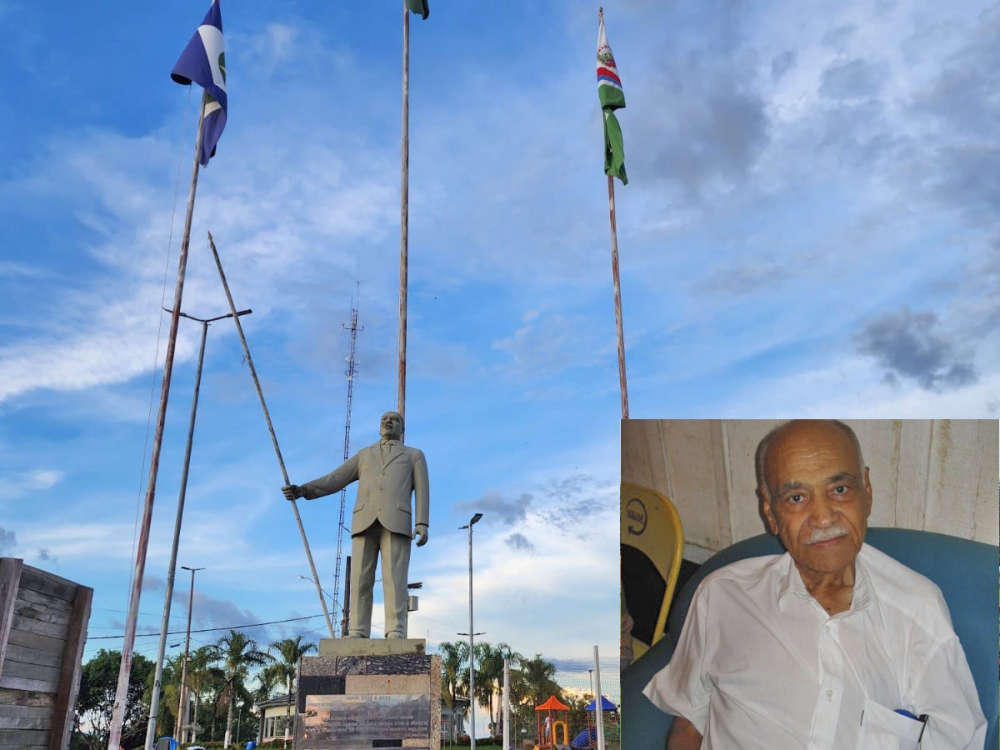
[[389, 474], [831, 645]]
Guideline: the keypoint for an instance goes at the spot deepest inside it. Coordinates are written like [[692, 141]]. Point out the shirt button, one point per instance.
[[829, 694]]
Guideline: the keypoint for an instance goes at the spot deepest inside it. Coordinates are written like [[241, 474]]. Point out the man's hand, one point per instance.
[[421, 532], [683, 736], [291, 491]]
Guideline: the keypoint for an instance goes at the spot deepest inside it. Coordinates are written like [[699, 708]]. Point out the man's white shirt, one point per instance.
[[761, 665]]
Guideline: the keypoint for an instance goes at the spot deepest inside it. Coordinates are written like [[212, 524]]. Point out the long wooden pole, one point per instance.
[[618, 298], [121, 693], [270, 428], [404, 217]]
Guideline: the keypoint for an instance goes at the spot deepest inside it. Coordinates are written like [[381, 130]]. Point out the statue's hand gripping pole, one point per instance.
[[270, 428]]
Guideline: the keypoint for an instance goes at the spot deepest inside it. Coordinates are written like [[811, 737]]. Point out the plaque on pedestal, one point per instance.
[[353, 699]]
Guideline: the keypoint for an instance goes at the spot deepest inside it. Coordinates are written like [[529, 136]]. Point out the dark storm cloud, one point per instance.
[[496, 505], [8, 540], [857, 79], [906, 345], [519, 542]]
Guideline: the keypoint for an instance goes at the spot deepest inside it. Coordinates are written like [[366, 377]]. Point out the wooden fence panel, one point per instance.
[[43, 628]]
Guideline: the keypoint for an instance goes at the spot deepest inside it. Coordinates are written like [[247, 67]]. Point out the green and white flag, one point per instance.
[[609, 89]]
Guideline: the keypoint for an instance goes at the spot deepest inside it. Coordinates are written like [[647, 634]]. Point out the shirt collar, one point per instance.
[[790, 584], [389, 442]]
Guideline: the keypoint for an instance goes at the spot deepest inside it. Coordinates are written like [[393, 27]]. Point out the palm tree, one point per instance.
[[202, 675], [506, 653], [489, 677], [455, 656], [289, 651], [238, 653], [540, 676], [267, 679]]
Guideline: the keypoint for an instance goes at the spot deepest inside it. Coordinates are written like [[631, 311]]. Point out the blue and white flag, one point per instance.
[[204, 62]]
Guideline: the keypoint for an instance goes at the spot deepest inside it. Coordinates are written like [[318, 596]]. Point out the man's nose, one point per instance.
[[822, 511]]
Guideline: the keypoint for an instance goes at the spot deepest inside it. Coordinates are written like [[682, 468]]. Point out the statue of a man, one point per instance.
[[388, 473]]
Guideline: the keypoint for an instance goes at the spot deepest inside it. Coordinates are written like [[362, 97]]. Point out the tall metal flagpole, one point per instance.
[[623, 384], [404, 217], [154, 702], [618, 298], [270, 427], [121, 693]]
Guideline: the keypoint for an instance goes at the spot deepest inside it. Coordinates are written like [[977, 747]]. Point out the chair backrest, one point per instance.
[[967, 572], [652, 545]]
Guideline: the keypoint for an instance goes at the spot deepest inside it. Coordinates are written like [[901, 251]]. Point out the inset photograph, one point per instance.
[[809, 583]]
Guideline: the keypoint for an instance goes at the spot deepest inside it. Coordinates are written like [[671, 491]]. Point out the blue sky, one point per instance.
[[810, 228]]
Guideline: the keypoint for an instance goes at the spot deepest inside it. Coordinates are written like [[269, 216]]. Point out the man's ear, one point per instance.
[[765, 507], [868, 492]]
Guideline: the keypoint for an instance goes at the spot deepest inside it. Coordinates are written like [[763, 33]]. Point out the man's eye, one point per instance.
[[841, 489], [795, 499]]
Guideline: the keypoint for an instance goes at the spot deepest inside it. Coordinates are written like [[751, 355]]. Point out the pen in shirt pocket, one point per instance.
[[922, 719]]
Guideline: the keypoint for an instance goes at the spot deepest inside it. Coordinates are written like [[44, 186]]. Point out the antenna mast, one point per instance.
[[350, 372]]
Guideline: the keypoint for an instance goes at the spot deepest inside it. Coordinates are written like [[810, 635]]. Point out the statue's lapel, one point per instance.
[[393, 452]]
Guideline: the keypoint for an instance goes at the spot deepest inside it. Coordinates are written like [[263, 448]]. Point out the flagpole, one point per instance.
[[618, 298], [404, 217], [121, 694]]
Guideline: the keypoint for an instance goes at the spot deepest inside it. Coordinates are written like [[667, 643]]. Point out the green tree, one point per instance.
[[522, 709], [489, 680], [288, 652], [540, 676], [577, 713], [169, 695], [238, 653], [96, 698], [267, 680], [207, 683], [454, 672]]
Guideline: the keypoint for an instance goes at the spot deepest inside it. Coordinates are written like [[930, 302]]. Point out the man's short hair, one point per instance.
[[765, 445]]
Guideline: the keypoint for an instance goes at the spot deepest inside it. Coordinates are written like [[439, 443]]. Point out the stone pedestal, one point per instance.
[[369, 693]]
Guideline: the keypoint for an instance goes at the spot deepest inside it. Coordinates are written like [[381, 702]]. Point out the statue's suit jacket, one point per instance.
[[384, 489]]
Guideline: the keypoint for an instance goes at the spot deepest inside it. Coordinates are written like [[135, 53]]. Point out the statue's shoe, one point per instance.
[[355, 635], [394, 635]]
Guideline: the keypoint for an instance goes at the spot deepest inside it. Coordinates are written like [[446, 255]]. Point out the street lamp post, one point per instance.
[[472, 653], [182, 706]]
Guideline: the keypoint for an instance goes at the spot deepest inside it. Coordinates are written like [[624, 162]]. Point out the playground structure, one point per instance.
[[552, 724], [611, 721]]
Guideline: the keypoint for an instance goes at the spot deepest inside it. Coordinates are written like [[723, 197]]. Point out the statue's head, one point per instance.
[[391, 426]]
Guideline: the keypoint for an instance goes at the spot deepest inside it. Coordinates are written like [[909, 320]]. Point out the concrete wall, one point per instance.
[[936, 475]]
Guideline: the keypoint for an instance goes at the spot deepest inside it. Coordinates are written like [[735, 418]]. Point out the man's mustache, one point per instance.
[[825, 535]]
